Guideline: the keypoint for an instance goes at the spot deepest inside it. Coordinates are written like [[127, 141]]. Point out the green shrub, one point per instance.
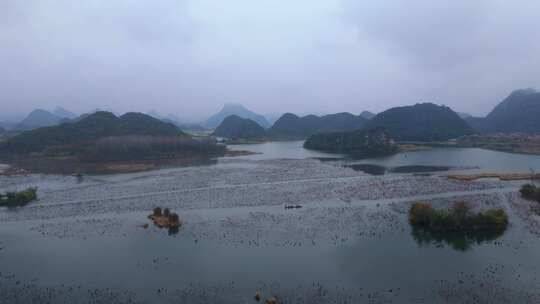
[[530, 191], [166, 212], [157, 211], [421, 214], [18, 199], [457, 218]]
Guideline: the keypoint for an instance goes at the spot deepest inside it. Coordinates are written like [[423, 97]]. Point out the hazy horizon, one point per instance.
[[188, 58]]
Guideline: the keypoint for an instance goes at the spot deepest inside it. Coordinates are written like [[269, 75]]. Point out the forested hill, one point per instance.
[[291, 126], [421, 122], [519, 112], [237, 127], [90, 128]]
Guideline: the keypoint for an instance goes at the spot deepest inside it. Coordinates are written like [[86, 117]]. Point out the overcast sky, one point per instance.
[[190, 57]]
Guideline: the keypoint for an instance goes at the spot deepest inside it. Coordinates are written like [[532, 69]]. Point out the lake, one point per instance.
[[86, 241], [465, 158]]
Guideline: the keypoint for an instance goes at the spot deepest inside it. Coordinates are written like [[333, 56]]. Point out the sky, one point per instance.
[[189, 57]]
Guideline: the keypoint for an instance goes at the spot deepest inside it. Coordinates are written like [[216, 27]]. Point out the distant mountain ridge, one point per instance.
[[367, 114], [89, 128], [236, 127], [291, 126], [176, 121], [235, 109], [63, 113], [36, 119], [519, 112], [421, 122]]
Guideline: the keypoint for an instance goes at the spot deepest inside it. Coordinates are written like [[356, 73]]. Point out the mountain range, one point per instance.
[[291, 126], [87, 129], [238, 110], [36, 119]]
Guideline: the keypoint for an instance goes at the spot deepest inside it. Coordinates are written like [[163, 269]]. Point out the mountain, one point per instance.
[[359, 143], [37, 119], [519, 112], [479, 124], [421, 122], [90, 128], [235, 109], [185, 126], [176, 121], [155, 114], [237, 127], [272, 117], [464, 115], [63, 113], [290, 126], [367, 115]]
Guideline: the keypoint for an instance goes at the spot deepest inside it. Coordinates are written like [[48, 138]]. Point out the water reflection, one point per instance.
[[173, 230], [461, 241]]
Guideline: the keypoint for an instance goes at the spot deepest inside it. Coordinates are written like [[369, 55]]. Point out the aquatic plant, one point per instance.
[[18, 199], [530, 191], [457, 219], [166, 212], [157, 211]]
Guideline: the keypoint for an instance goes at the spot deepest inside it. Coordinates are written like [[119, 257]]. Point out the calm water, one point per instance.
[[330, 251], [391, 267], [467, 158]]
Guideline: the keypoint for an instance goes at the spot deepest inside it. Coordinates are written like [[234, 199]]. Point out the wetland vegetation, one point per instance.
[[531, 192], [458, 218], [18, 198]]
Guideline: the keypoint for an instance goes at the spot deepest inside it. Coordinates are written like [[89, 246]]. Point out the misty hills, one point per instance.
[[63, 113], [238, 110], [237, 127], [421, 122], [367, 115], [519, 112], [36, 119], [42, 118], [176, 121], [291, 126], [90, 128]]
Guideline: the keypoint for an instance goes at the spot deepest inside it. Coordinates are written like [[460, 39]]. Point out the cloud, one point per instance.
[[189, 57], [469, 53]]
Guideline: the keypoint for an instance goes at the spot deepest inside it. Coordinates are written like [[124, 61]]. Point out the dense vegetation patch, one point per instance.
[[359, 144], [459, 218], [531, 192], [18, 199]]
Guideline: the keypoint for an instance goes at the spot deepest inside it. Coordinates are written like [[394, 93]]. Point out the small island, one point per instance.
[[458, 218], [18, 199], [165, 218], [530, 192], [359, 144]]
